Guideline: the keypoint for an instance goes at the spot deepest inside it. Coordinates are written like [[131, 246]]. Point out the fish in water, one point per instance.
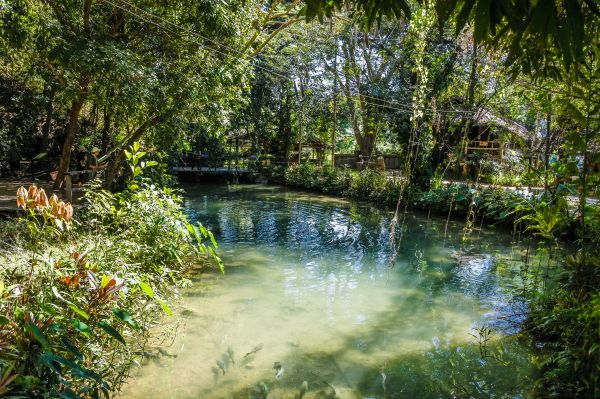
[[149, 355], [221, 366], [165, 353], [216, 373], [333, 390], [261, 391], [303, 389], [254, 350], [230, 355], [278, 370], [383, 379]]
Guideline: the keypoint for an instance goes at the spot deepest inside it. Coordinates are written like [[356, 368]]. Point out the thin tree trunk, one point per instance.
[[334, 131], [65, 156], [547, 148], [50, 92], [87, 11], [468, 120], [105, 130], [115, 168]]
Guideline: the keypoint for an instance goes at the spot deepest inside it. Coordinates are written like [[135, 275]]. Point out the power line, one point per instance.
[[270, 70], [376, 101], [408, 108]]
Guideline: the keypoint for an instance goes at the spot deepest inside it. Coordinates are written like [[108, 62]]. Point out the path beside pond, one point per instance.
[[8, 193], [523, 190]]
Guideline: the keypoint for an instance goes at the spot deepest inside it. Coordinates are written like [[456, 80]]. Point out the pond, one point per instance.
[[313, 299]]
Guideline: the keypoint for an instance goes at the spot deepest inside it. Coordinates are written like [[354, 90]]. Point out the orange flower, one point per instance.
[[53, 202], [41, 199], [68, 212], [31, 196], [64, 211], [32, 192], [22, 197], [61, 212]]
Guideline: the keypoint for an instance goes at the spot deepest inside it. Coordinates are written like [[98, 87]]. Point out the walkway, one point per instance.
[[208, 170], [8, 193], [572, 199]]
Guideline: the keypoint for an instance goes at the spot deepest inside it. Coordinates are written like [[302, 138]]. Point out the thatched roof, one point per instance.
[[485, 116]]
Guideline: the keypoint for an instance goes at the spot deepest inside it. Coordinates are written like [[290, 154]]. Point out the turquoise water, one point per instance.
[[312, 283]]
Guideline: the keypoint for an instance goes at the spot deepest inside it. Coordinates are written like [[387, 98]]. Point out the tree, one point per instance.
[[523, 25], [135, 67]]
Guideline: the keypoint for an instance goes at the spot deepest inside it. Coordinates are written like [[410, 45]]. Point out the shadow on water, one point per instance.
[[308, 282], [356, 365], [444, 372]]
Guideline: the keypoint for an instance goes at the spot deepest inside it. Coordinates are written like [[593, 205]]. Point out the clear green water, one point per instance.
[[308, 278]]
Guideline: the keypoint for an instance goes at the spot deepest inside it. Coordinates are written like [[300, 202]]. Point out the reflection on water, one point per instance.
[[308, 285]]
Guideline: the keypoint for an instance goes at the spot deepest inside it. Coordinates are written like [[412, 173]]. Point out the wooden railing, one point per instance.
[[484, 145]]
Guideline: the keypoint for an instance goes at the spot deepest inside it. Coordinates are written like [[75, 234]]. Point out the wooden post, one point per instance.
[[237, 150], [68, 188]]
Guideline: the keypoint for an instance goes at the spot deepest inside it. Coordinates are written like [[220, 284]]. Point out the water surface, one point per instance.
[[313, 282]]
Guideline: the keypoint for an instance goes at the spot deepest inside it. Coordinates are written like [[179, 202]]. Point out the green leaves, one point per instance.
[[75, 369], [101, 288], [535, 25], [71, 347], [136, 164], [463, 14], [34, 330], [212, 240], [366, 13], [164, 307], [146, 289], [575, 34], [198, 234], [125, 317], [81, 327], [110, 330], [80, 312]]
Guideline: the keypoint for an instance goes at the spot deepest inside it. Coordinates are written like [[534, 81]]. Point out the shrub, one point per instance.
[[78, 303]]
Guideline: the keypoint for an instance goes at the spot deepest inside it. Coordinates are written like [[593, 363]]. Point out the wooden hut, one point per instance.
[[488, 135]]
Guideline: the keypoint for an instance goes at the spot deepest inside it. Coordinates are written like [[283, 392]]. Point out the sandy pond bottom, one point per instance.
[[311, 283]]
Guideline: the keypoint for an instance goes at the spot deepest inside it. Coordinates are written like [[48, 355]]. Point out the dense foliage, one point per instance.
[[499, 92], [79, 295], [491, 205]]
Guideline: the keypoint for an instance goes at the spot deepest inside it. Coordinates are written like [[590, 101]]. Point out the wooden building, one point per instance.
[[492, 134]]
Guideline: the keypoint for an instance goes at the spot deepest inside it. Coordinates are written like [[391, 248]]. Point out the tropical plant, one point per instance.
[[80, 296]]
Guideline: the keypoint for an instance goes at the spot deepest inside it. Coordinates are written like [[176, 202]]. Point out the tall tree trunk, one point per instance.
[[87, 12], [361, 125], [300, 97], [105, 130], [468, 119], [335, 88], [65, 157], [115, 168], [50, 92], [547, 147]]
